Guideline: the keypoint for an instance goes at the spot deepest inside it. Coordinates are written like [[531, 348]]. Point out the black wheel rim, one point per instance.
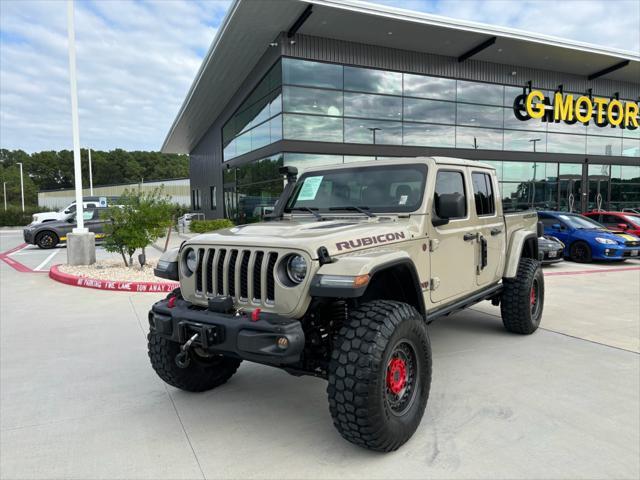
[[46, 240], [579, 252], [401, 378]]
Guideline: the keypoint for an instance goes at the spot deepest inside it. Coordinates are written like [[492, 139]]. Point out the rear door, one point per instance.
[[453, 248], [491, 241]]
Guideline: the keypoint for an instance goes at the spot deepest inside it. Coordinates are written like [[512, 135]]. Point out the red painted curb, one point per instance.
[[4, 256], [587, 272], [118, 286]]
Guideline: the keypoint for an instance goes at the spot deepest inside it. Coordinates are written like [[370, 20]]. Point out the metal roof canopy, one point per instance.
[[250, 26]]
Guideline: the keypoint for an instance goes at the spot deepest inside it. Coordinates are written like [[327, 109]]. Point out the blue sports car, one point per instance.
[[587, 240]]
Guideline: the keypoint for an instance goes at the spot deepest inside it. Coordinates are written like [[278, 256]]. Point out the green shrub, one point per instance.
[[15, 217], [204, 226], [139, 220]]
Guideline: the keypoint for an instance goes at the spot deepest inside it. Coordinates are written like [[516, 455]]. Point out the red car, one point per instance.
[[617, 221]]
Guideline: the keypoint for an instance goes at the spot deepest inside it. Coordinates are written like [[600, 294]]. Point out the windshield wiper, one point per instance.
[[352, 208], [307, 209]]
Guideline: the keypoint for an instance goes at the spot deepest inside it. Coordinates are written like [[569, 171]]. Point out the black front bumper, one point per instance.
[[27, 235], [546, 259], [261, 341]]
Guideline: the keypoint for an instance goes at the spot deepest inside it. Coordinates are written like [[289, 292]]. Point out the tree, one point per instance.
[[139, 220], [54, 169], [11, 175]]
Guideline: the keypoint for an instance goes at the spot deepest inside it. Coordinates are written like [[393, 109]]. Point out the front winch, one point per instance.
[[183, 359]]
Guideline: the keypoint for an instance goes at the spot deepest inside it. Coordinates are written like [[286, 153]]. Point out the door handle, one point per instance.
[[496, 231], [468, 237]]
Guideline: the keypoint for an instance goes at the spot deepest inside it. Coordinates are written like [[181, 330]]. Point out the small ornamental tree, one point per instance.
[[138, 221]]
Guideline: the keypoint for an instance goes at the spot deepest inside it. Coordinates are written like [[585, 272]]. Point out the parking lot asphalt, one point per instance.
[[78, 398]]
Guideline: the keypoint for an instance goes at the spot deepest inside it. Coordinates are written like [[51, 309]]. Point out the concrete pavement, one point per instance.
[[78, 398]]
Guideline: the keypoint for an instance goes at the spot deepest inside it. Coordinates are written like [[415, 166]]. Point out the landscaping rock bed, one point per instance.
[[115, 270]]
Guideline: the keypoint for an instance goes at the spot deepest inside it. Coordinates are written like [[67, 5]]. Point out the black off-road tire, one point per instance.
[[47, 239], [202, 374], [522, 299], [580, 252], [359, 389]]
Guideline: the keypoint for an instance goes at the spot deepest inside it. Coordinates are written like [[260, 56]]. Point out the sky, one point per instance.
[[136, 59]]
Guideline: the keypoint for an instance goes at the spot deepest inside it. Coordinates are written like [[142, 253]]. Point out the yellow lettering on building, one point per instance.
[[631, 114], [625, 114], [563, 107], [615, 119], [535, 110], [583, 116], [600, 108]]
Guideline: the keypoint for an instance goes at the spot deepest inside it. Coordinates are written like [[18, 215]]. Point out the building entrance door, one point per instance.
[[230, 198], [570, 187], [597, 182]]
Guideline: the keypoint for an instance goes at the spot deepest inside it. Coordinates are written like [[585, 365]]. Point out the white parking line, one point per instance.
[[18, 251], [46, 260]]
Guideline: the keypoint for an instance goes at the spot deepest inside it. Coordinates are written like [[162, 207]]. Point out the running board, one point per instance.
[[463, 303]]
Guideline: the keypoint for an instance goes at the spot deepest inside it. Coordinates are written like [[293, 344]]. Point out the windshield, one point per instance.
[[635, 221], [385, 188], [580, 222]]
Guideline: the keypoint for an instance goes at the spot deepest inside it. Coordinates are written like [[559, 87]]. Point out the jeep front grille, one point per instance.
[[244, 274]]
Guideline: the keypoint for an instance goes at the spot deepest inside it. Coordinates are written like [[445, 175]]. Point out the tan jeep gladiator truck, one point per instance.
[[343, 280]]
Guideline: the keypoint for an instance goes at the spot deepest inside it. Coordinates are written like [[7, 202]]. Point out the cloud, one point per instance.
[[608, 23], [135, 62], [137, 59]]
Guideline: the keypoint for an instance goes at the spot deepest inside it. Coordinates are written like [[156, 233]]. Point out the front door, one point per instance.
[[453, 246]]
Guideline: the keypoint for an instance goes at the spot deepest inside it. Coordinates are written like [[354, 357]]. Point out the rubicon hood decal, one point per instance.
[[367, 241]]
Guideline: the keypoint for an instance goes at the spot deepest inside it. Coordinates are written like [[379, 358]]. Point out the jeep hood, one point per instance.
[[337, 235]]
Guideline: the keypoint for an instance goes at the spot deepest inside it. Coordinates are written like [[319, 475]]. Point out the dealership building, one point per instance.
[[325, 82]]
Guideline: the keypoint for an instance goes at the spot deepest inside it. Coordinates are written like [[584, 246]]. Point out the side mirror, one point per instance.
[[450, 205], [623, 226], [290, 172], [556, 226]]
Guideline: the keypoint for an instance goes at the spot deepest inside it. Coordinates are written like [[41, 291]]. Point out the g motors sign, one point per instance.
[[576, 108]]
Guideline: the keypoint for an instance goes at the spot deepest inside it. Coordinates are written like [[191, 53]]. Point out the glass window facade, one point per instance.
[[258, 121], [480, 114], [317, 101], [325, 102]]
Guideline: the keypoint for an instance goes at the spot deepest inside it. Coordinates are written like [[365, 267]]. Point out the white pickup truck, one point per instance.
[[42, 217], [342, 282]]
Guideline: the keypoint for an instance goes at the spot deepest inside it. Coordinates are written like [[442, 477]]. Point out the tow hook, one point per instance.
[[183, 359]]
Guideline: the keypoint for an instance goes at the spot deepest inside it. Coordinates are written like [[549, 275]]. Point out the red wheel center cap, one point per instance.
[[396, 375], [532, 296]]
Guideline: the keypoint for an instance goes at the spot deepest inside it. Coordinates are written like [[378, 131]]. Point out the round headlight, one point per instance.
[[191, 261], [296, 268]]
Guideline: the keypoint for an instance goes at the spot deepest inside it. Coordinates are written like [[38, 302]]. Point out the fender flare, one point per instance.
[[518, 239], [415, 279], [317, 290]]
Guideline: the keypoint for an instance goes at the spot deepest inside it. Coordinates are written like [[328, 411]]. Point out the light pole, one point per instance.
[[373, 131], [534, 141], [81, 244], [4, 188], [77, 167], [90, 175], [21, 185]]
